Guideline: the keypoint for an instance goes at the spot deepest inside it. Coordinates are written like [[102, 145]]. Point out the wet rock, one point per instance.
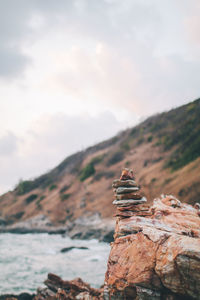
[[92, 227], [108, 236], [22, 296], [67, 249], [3, 221], [37, 224]]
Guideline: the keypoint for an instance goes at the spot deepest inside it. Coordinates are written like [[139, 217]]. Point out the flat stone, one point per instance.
[[121, 183], [128, 213], [125, 190], [136, 207], [129, 196], [129, 201]]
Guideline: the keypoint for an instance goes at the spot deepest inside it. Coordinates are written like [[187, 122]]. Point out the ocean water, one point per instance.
[[25, 261]]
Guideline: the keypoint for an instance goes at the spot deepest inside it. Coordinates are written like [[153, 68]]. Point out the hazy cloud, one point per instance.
[[48, 141], [8, 144], [14, 16]]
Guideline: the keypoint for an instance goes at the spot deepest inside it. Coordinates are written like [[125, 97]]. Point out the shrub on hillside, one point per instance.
[[64, 188], [65, 197], [87, 171], [17, 216], [31, 198], [125, 146], [52, 187], [42, 197], [149, 139], [24, 187]]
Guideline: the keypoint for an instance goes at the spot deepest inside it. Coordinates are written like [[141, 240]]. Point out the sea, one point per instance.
[[26, 259]]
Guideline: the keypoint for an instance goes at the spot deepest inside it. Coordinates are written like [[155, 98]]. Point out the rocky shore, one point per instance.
[[91, 227], [22, 296], [155, 254]]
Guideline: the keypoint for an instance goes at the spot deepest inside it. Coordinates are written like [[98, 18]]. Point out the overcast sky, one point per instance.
[[73, 73]]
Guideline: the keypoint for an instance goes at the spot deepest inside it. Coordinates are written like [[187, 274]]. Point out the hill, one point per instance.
[[164, 152]]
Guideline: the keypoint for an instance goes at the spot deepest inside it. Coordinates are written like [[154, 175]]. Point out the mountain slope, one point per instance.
[[164, 152]]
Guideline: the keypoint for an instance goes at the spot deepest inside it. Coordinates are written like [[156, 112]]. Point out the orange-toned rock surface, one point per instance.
[[58, 289], [155, 255]]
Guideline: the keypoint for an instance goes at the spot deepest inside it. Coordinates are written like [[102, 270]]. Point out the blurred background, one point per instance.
[[89, 87]]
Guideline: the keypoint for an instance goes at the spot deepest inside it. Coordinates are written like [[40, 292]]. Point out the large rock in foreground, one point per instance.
[[157, 255]]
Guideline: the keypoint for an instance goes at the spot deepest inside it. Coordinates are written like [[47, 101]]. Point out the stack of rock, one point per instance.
[[128, 200]]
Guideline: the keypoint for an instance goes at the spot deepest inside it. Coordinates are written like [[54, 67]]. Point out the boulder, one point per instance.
[[56, 288], [157, 255]]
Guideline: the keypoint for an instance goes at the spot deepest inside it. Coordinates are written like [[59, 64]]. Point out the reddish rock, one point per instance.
[[178, 265], [136, 208], [58, 289], [127, 174], [127, 213], [155, 256], [117, 183], [128, 196]]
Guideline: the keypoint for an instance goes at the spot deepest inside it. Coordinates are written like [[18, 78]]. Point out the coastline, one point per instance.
[[83, 228]]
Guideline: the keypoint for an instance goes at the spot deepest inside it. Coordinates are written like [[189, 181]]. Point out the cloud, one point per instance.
[[104, 75], [8, 144], [14, 18], [120, 24], [49, 140], [192, 25], [12, 62]]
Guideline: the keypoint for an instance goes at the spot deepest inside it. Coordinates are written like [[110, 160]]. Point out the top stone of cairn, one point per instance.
[[127, 174]]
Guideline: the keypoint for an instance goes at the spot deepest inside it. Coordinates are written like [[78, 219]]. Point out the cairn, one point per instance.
[[128, 200]]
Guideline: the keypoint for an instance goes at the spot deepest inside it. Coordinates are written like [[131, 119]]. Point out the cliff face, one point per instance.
[[156, 255]]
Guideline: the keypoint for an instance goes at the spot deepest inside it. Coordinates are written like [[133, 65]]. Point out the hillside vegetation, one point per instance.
[[164, 152]]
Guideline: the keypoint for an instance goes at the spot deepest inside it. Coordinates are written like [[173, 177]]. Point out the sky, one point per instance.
[[76, 72]]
